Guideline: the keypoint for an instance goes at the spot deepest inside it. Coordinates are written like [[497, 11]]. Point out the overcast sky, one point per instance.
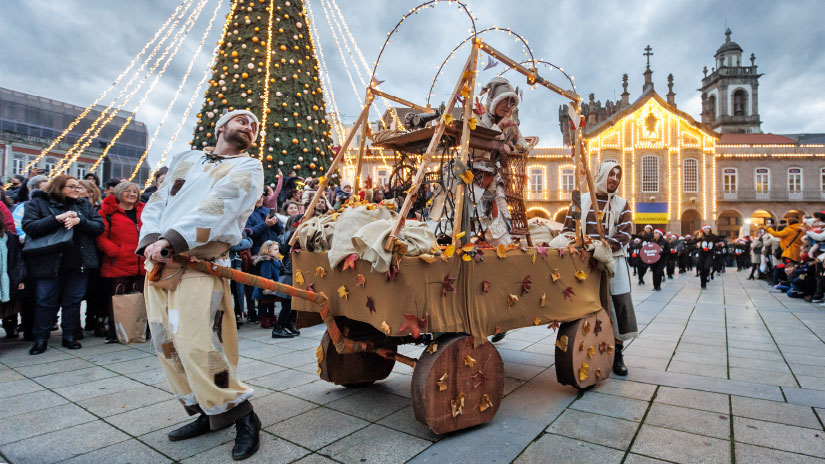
[[71, 50]]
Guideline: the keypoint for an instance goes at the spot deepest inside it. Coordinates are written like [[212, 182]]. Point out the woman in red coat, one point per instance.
[[121, 267]]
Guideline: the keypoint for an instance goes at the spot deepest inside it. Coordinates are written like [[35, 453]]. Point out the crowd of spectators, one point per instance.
[[43, 291]]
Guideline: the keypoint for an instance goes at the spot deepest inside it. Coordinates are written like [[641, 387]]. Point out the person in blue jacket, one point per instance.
[[267, 265]]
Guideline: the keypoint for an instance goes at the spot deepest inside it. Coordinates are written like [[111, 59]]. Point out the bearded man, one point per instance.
[[200, 211], [617, 222]]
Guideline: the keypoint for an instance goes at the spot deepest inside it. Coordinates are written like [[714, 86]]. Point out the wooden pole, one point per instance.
[[464, 151], [400, 100], [425, 160], [322, 186], [357, 187], [532, 75]]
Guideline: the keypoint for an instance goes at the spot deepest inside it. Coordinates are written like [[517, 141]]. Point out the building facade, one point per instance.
[[679, 173], [29, 124]]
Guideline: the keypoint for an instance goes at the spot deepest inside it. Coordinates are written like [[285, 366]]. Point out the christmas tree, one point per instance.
[[266, 64]]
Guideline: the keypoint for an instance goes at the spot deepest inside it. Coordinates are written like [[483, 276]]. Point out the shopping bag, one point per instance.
[[130, 317]]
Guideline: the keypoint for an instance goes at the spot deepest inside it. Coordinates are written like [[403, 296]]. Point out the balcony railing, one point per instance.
[[773, 195]]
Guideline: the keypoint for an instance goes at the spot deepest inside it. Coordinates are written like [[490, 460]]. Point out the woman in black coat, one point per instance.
[[60, 277]]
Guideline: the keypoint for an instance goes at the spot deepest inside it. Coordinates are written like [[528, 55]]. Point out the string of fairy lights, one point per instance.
[[326, 84], [121, 100], [195, 95], [166, 58], [176, 15], [178, 90], [265, 108]]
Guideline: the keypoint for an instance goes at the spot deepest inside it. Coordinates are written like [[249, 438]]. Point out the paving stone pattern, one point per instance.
[[733, 373]]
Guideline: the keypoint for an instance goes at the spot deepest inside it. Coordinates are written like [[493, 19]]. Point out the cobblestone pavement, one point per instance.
[[734, 372]]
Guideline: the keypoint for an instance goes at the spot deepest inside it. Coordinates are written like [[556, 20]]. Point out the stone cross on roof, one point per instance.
[[648, 53]]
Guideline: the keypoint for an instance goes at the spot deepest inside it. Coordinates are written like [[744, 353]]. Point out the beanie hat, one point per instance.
[[497, 90], [253, 121]]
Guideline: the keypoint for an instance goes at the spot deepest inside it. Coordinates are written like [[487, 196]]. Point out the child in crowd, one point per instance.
[[267, 265]]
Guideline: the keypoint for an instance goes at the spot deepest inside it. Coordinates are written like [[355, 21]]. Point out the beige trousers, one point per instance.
[[195, 337]]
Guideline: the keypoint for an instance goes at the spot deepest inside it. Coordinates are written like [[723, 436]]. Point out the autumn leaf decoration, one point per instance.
[[370, 304], [449, 251], [320, 271], [298, 277], [511, 299], [585, 327], [360, 280], [581, 276], [542, 251], [469, 361], [555, 275], [526, 284], [485, 403], [349, 262], [543, 300], [385, 327], [441, 383], [602, 347], [598, 327], [414, 324], [584, 372], [478, 256], [447, 284], [392, 272], [554, 324], [561, 343], [343, 293], [501, 251], [485, 286], [478, 379], [457, 405], [568, 293]]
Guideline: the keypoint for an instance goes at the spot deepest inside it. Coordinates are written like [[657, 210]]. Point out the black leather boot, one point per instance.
[[191, 430], [71, 344], [38, 348], [247, 436], [292, 327], [618, 362], [280, 332]]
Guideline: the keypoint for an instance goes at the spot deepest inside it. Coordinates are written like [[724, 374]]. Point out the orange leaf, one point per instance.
[[581, 275], [349, 262], [449, 251], [501, 251], [320, 271], [361, 280], [555, 275]]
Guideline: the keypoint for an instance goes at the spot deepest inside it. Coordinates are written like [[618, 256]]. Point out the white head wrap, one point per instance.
[[604, 172], [253, 121]]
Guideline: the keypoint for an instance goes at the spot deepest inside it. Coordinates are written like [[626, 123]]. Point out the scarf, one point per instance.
[[4, 269]]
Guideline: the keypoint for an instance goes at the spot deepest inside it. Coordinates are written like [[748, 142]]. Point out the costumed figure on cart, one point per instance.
[[199, 212], [617, 221], [489, 186]]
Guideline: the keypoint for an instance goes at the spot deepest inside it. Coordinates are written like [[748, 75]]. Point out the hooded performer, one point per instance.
[[617, 221], [200, 211]]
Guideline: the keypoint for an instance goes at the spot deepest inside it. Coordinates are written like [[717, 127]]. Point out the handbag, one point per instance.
[[129, 310], [51, 243]]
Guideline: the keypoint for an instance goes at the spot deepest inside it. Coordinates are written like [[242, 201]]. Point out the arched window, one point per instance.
[[712, 105], [690, 175], [740, 102], [650, 174]]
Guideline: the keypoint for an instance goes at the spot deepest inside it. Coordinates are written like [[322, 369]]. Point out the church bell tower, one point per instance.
[[730, 93]]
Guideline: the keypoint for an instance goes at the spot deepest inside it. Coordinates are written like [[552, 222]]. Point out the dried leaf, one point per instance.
[[584, 372], [343, 293], [598, 375], [581, 275], [385, 327], [585, 327], [392, 272], [478, 379], [555, 275], [542, 251], [511, 299], [466, 257], [561, 343], [609, 349], [442, 382], [572, 249], [414, 324], [449, 251], [598, 327], [561, 253], [568, 293], [473, 123], [485, 286], [468, 247], [349, 262], [319, 355], [543, 300], [360, 280], [469, 361], [457, 405], [526, 284], [448, 118], [485, 403], [427, 257], [534, 259], [467, 177], [590, 352], [320, 271], [432, 348], [478, 256], [581, 345], [447, 284], [536, 321], [501, 251], [554, 324], [370, 304], [298, 278], [602, 347]]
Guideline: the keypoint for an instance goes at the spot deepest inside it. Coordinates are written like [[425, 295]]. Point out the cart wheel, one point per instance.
[[455, 385], [351, 370], [584, 350]]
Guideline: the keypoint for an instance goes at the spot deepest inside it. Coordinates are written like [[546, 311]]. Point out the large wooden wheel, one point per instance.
[[455, 385], [584, 350], [356, 369]]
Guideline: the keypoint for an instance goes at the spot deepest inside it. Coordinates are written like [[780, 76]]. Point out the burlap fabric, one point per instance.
[[420, 291]]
